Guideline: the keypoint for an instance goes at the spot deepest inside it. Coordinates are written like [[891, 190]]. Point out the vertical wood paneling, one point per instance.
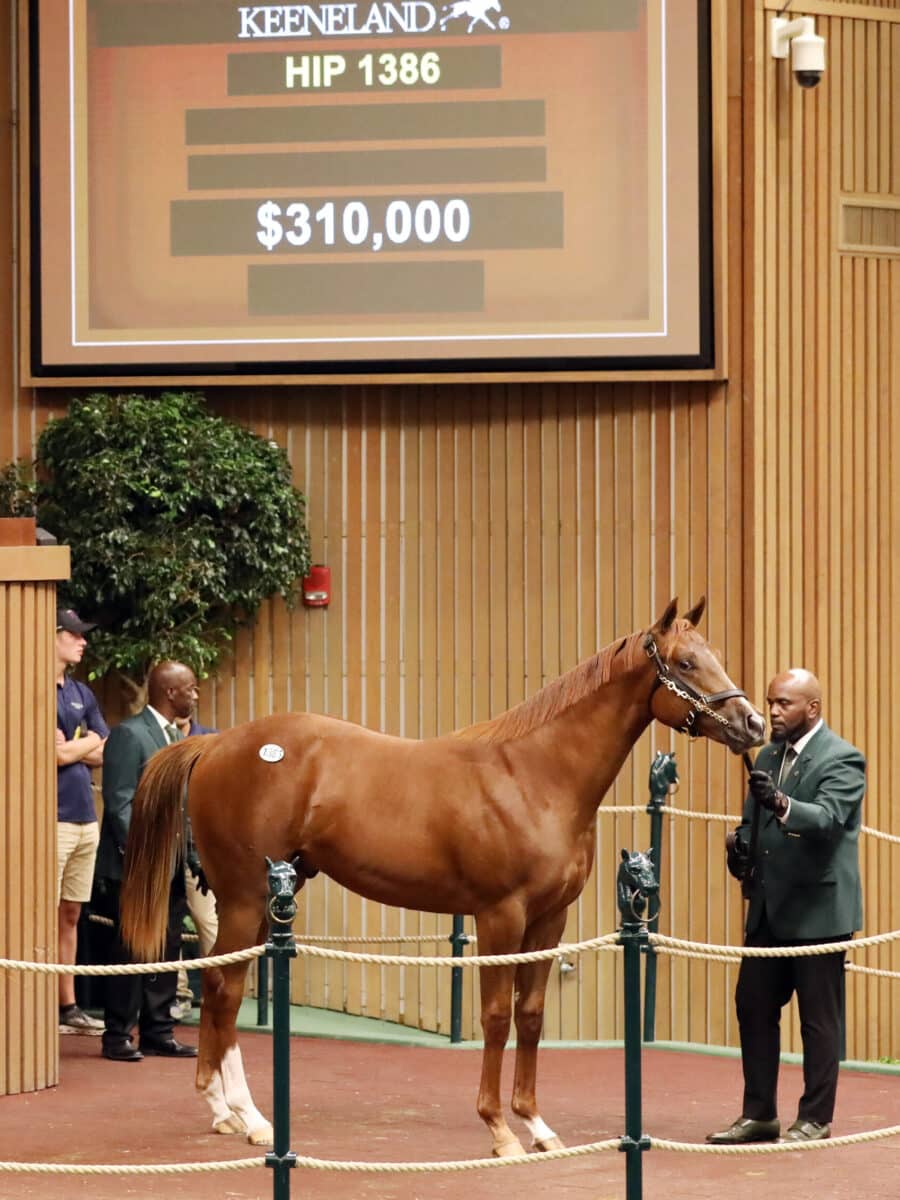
[[29, 1040], [827, 335]]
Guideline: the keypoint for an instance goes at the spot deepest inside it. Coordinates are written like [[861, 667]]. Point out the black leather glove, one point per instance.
[[737, 854], [764, 791], [202, 883]]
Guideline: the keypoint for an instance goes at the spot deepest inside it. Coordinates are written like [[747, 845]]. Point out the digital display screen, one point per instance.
[[333, 187]]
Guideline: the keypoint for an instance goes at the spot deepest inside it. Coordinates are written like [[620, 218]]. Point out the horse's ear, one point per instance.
[[664, 623], [624, 856], [693, 617]]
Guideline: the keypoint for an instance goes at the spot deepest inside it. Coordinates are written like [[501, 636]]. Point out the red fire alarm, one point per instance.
[[317, 586]]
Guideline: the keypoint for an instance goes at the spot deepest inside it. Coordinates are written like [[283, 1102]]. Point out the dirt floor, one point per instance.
[[403, 1103]]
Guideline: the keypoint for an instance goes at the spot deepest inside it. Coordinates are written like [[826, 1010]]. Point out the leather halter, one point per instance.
[[699, 701]]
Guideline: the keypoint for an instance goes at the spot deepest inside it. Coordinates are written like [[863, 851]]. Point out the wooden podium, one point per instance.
[[29, 1034]]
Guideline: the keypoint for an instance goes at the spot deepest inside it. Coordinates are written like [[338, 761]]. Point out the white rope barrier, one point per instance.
[[468, 1164], [876, 833], [609, 941], [661, 943], [697, 816], [380, 939], [690, 815], [384, 939], [834, 1143], [872, 971], [670, 945], [215, 960], [461, 1164], [238, 1164]]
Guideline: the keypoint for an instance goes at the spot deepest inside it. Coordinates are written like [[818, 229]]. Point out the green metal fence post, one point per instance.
[[458, 941], [281, 949], [262, 991], [663, 779], [636, 882]]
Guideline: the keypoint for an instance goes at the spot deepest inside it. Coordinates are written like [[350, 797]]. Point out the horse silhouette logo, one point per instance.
[[476, 10]]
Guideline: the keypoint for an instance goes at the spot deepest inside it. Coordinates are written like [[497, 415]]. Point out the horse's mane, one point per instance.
[[613, 660]]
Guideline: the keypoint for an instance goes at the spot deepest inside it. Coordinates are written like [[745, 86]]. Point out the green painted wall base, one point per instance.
[[323, 1023]]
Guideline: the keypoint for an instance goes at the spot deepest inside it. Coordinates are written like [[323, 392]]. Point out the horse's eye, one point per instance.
[[686, 664]]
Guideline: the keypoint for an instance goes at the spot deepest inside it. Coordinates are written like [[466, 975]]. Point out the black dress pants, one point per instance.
[[764, 986], [140, 1000]]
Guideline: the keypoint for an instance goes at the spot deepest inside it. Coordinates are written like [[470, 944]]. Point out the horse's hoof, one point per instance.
[[553, 1143], [231, 1124], [508, 1149], [261, 1136]]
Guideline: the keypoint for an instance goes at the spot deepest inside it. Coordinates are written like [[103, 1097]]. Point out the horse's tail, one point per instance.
[[154, 837]]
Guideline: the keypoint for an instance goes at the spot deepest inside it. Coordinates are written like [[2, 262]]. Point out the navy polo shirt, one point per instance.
[[77, 712], [197, 728]]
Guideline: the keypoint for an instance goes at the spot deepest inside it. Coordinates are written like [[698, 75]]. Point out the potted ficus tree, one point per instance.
[[18, 524], [180, 522]]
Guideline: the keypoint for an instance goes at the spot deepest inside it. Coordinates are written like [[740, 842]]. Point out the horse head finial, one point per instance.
[[282, 886], [663, 777], [635, 883]]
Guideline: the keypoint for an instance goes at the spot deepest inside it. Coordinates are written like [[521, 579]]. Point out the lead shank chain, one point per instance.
[[696, 703]]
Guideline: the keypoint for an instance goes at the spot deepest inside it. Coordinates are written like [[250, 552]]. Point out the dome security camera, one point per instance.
[[806, 47], [808, 59]]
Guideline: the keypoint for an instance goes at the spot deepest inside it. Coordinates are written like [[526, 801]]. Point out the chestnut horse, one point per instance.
[[496, 820]]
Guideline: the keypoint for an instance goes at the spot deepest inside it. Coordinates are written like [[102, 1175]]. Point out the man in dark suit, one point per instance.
[[142, 1000], [803, 889]]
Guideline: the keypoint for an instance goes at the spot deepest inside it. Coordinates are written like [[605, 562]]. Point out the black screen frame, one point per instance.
[[396, 370]]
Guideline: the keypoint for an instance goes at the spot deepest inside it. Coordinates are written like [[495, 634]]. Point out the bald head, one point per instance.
[[172, 689], [795, 704]]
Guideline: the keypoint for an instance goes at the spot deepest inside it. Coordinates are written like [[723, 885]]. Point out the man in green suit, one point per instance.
[[140, 1000], [803, 888]]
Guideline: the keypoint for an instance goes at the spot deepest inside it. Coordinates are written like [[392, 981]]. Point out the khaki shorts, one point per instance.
[[76, 852]]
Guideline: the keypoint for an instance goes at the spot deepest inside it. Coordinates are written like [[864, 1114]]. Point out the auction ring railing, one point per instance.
[[635, 938], [663, 783], [631, 939]]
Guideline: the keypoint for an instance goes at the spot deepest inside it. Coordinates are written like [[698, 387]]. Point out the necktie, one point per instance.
[[787, 764], [173, 734]]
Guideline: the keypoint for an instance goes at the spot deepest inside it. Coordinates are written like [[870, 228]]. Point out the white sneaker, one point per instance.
[[75, 1020]]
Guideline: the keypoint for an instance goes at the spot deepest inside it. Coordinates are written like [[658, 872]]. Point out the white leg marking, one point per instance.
[[239, 1100], [540, 1132], [223, 1119]]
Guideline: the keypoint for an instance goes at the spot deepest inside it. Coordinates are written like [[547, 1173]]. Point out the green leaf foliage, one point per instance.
[[18, 489], [180, 522]]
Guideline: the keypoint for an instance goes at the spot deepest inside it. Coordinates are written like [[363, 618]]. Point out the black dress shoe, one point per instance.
[[743, 1131], [807, 1131], [167, 1048], [125, 1051]]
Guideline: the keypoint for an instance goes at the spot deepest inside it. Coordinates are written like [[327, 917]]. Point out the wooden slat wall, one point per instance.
[[29, 1039], [825, 426], [483, 539]]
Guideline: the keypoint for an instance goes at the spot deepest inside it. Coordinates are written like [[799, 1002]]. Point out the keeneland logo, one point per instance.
[[475, 10], [360, 19]]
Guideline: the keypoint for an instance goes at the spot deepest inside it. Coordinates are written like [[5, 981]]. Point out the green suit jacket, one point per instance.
[[128, 749], [807, 882]]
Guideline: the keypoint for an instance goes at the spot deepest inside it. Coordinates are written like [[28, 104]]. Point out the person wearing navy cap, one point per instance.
[[81, 734]]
